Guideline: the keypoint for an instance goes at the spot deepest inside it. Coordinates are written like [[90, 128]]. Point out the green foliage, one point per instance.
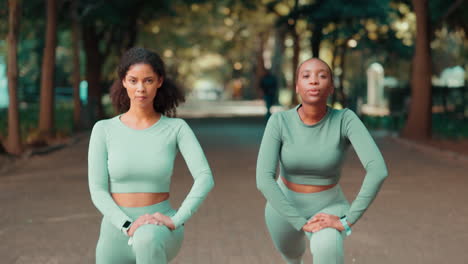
[[4, 20], [29, 120], [335, 10], [443, 125], [226, 31], [438, 13], [188, 33]]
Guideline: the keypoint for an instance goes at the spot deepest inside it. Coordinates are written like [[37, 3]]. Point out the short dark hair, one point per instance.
[[328, 66], [169, 95]]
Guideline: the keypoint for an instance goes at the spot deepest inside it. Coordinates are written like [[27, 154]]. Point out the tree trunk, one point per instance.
[[278, 55], [316, 39], [76, 66], [260, 69], [340, 91], [334, 58], [296, 51], [97, 45], [419, 123], [295, 63], [13, 144], [46, 115], [94, 62], [277, 60]]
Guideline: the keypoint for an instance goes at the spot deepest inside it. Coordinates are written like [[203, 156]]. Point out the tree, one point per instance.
[[347, 20], [13, 145], [342, 20], [230, 32], [278, 54], [76, 64], [289, 23], [292, 22], [419, 123], [46, 114], [110, 29]]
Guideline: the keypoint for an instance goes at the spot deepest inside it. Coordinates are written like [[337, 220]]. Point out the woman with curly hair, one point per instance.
[[130, 164]]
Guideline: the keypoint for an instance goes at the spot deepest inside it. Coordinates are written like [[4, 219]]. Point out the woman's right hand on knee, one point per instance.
[[142, 220], [321, 221]]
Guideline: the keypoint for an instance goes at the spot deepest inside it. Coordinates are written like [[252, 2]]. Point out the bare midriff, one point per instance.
[[304, 188], [139, 199]]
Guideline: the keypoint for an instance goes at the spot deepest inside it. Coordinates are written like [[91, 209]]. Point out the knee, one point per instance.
[[327, 242], [146, 237], [290, 250]]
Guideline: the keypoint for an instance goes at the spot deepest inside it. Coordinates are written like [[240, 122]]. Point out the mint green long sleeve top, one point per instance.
[[126, 160], [313, 155]]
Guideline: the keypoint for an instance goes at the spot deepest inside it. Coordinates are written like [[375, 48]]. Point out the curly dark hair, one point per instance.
[[169, 95]]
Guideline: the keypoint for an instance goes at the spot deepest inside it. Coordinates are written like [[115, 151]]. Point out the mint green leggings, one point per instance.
[[151, 243], [326, 245]]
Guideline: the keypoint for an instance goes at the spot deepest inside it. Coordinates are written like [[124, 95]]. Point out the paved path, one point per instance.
[[420, 215]]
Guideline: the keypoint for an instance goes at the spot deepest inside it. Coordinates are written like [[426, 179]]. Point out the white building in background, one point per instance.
[[451, 77], [375, 85], [207, 89], [4, 99], [375, 104]]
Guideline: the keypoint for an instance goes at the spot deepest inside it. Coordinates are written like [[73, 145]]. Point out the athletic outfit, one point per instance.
[[126, 160], [313, 155]]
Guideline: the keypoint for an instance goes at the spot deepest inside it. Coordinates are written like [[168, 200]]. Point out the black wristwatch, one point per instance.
[[126, 226]]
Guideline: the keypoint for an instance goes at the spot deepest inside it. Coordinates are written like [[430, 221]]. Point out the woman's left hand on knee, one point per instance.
[[165, 220], [321, 221]]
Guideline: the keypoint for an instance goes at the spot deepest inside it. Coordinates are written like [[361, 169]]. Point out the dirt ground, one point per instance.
[[459, 146], [419, 215]]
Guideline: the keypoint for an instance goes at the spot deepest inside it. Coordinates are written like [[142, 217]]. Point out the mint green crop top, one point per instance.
[[126, 160], [313, 155]]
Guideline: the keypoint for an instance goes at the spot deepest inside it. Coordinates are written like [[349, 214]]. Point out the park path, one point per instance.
[[420, 215]]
